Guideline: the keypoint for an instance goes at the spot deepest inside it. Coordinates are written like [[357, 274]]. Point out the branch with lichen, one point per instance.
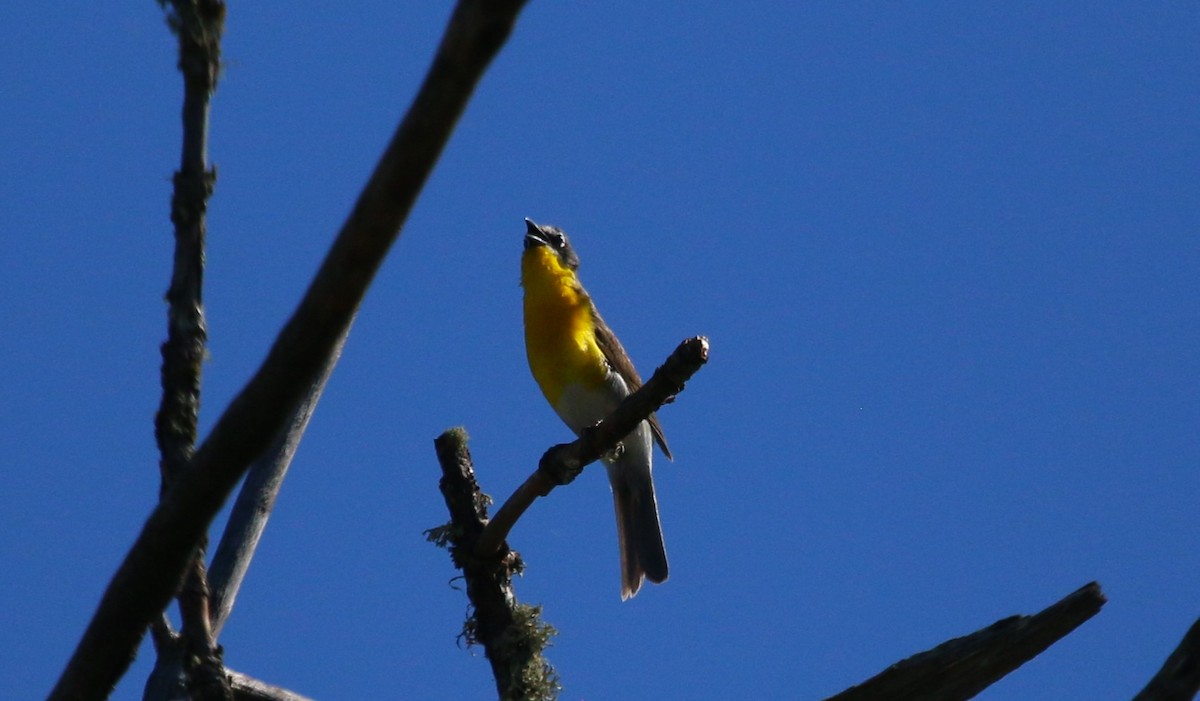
[[512, 634]]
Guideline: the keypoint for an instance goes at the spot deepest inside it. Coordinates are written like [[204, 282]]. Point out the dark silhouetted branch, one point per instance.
[[512, 634], [199, 32], [963, 667], [1179, 678], [562, 463], [198, 24], [242, 688], [154, 566]]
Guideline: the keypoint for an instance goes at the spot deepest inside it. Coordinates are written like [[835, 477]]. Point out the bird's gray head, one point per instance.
[[552, 237]]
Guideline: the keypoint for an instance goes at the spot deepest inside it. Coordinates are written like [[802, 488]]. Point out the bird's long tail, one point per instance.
[[639, 533]]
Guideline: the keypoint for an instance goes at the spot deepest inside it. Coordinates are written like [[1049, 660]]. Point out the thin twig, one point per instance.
[[562, 463], [147, 578], [963, 667]]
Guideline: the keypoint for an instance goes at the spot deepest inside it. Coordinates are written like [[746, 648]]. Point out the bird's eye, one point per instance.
[[557, 239]]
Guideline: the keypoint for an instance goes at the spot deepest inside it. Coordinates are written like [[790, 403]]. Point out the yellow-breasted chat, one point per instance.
[[585, 373]]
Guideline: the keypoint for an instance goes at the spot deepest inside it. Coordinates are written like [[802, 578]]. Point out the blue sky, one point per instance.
[[946, 255]]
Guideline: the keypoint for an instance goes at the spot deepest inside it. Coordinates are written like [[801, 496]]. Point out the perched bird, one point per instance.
[[585, 373]]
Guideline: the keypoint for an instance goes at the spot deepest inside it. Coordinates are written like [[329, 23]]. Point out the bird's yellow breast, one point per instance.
[[560, 332]]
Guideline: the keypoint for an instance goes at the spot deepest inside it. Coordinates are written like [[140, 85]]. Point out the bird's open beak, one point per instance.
[[534, 235]]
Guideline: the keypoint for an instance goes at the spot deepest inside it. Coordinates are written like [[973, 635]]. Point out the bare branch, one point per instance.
[[562, 463], [255, 502], [198, 25], [183, 351], [963, 667], [161, 633], [246, 688], [154, 566], [163, 684], [1179, 678]]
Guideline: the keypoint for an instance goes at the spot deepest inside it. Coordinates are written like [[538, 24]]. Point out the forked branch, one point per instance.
[[154, 566], [512, 634]]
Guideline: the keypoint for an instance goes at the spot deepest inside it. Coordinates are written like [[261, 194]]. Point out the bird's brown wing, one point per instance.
[[619, 360]]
